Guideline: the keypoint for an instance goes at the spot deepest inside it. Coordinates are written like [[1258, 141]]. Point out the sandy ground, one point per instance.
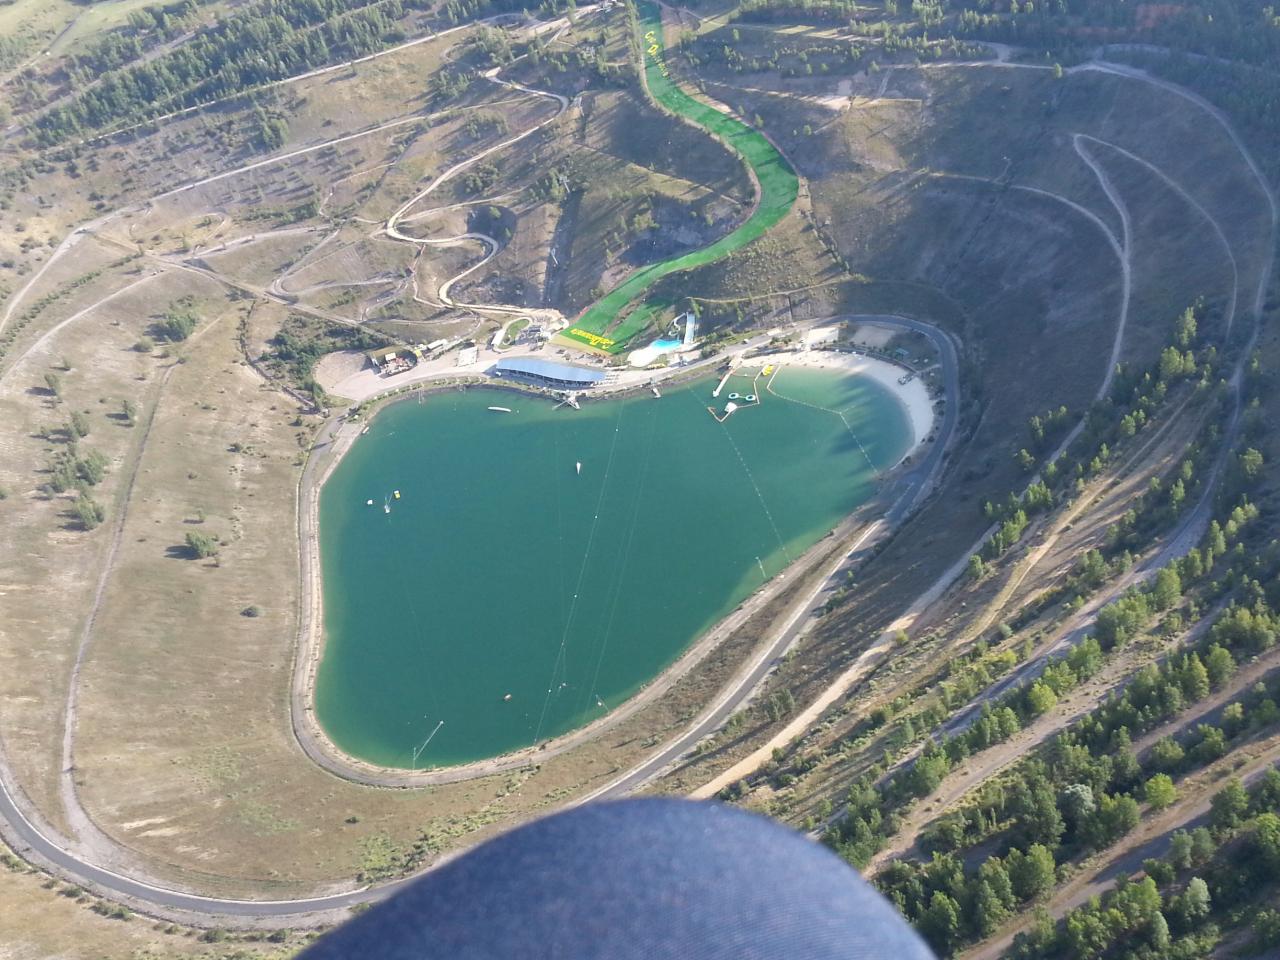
[[914, 395]]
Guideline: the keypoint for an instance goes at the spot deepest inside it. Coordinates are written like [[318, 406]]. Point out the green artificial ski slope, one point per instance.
[[779, 187]]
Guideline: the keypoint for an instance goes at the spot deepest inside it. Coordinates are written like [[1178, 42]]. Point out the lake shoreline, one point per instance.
[[912, 396], [324, 751]]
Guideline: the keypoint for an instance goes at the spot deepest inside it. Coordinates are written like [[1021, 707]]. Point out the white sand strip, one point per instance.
[[914, 395]]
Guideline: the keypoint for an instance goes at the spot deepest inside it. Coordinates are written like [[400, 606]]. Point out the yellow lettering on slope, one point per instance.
[[594, 339]]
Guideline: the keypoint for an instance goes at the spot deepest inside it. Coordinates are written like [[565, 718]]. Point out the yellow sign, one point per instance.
[[594, 339], [651, 38]]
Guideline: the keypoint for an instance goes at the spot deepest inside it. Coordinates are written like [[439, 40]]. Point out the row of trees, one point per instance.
[[269, 41], [1242, 30], [117, 48], [726, 49], [865, 826], [1065, 805], [1210, 875], [1134, 401], [1156, 694]]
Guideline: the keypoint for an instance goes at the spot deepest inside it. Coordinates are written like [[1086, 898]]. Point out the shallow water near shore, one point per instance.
[[516, 598]]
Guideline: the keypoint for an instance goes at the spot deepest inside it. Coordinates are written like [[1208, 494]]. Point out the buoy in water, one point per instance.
[[734, 396], [750, 398]]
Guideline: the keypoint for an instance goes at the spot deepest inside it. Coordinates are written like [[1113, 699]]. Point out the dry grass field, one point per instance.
[[47, 920]]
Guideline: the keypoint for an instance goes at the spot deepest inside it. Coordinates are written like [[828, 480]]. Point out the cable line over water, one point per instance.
[[843, 419], [582, 570], [620, 580]]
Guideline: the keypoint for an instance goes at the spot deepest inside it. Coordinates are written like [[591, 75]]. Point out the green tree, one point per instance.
[[1217, 540], [202, 545], [89, 511], [996, 876], [1040, 699], [1189, 909], [1167, 754], [1250, 464], [177, 326], [78, 425], [1203, 846], [1180, 845], [1036, 808], [928, 770], [1167, 589], [1229, 806], [988, 910], [939, 924], [53, 383], [1266, 841], [1195, 679], [1116, 816], [1031, 873], [1266, 928], [1219, 664], [1184, 329], [1266, 794], [976, 568], [1211, 746], [1159, 791], [1158, 935], [1171, 365], [1232, 719]]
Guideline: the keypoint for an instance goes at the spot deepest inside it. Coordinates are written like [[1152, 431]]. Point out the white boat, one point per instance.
[[500, 409], [579, 466]]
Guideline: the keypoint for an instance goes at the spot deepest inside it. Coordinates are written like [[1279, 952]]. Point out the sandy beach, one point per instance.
[[914, 395]]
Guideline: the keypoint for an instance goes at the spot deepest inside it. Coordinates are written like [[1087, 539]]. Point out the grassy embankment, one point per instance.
[[600, 325]]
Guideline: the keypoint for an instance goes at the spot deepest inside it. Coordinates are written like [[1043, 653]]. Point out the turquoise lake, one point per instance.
[[515, 597]]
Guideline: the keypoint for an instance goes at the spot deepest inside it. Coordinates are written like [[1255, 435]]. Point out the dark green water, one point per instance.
[[501, 570]]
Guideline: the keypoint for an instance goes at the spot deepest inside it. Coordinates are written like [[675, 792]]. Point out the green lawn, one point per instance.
[[778, 190], [513, 330]]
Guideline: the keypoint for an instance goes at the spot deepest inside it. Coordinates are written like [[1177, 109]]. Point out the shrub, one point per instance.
[[202, 545], [89, 511]]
